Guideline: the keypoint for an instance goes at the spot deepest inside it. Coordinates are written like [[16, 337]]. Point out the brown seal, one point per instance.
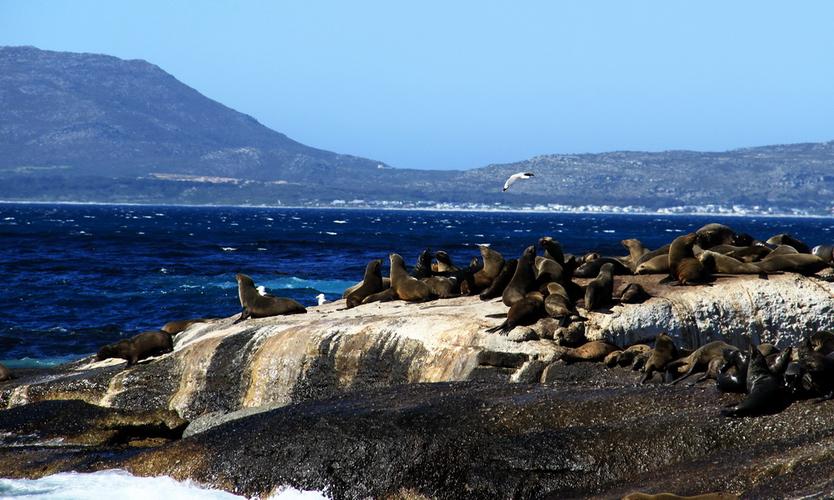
[[444, 263], [386, 295], [523, 312], [715, 234], [611, 359], [802, 263], [442, 286], [590, 351], [635, 251], [493, 263], [552, 249], [664, 352], [5, 374], [547, 270], [822, 342], [634, 293], [371, 284], [558, 305], [524, 279], [137, 348], [824, 252], [722, 264], [656, 265], [501, 281], [600, 291], [404, 286], [700, 358], [664, 250], [256, 305], [175, 327], [683, 266], [787, 239], [628, 355]]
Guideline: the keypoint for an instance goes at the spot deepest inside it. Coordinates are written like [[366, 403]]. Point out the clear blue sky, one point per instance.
[[463, 84]]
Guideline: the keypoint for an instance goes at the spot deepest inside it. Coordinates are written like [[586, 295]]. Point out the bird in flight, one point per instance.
[[515, 177]]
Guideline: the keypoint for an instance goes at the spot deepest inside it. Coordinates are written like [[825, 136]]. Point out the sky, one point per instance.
[[440, 84]]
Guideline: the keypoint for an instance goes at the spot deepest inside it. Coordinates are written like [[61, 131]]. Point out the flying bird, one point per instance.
[[515, 177]]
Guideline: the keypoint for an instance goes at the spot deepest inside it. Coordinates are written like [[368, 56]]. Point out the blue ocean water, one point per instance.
[[79, 276]]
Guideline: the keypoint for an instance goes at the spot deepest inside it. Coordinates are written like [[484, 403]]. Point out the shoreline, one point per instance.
[[432, 209]]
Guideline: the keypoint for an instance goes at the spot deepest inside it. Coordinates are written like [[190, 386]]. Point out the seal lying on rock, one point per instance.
[[524, 312], [137, 348], [5, 374], [634, 293], [700, 359], [175, 327], [590, 351], [256, 305]]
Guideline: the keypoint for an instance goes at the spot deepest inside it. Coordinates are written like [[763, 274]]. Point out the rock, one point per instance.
[[522, 334], [213, 419], [572, 335]]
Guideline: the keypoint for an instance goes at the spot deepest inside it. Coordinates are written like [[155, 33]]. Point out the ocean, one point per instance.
[[79, 276]]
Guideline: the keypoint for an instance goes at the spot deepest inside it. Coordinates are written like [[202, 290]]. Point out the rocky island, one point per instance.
[[404, 400]]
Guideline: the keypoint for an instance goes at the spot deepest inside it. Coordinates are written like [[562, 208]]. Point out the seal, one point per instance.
[[548, 270], [824, 252], [590, 351], [664, 250], [732, 376], [700, 359], [664, 352], [137, 348], [591, 268], [765, 390], [404, 286], [524, 279], [501, 281], [5, 374], [683, 266], [371, 284], [611, 359], [715, 262], [444, 263], [781, 250], [787, 239], [493, 263], [552, 249], [256, 305], [715, 234], [422, 269], [818, 371], [558, 305], [635, 251], [386, 295], [656, 265], [822, 342], [523, 312], [634, 293], [443, 287], [801, 263], [175, 327], [599, 292], [752, 253], [627, 357]]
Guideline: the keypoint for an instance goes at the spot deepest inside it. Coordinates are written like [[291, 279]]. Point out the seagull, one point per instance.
[[515, 177], [262, 290], [321, 298]]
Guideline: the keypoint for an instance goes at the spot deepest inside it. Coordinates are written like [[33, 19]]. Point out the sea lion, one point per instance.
[[732, 376], [475, 265], [634, 293], [752, 253], [386, 295], [787, 239], [683, 266], [558, 305], [501, 281], [801, 263], [139, 347], [714, 234], [524, 279], [824, 252], [628, 355], [671, 496], [591, 269], [386, 283], [700, 358], [818, 369], [422, 269], [5, 374], [256, 305], [552, 249], [175, 327], [444, 263], [493, 263], [590, 351], [442, 286], [635, 251], [371, 284], [600, 291], [611, 359], [765, 391], [446, 268], [547, 270], [722, 264], [664, 250], [822, 342], [404, 286], [656, 265], [524, 312], [781, 250], [664, 352], [640, 360]]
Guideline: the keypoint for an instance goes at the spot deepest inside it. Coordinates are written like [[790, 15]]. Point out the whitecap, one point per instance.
[[228, 249], [331, 233], [340, 221], [269, 219], [608, 231], [140, 232], [163, 270], [261, 249]]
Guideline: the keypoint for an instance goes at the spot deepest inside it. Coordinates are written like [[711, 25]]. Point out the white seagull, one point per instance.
[[321, 298], [515, 177]]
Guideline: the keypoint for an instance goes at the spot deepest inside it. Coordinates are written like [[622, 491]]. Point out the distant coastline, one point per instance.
[[706, 211]]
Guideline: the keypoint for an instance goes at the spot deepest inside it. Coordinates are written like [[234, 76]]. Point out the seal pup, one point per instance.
[[589, 351], [634, 293], [683, 266], [5, 374], [599, 292], [732, 376], [404, 286], [256, 305], [787, 239], [493, 263], [501, 281], [524, 279], [752, 253], [175, 327], [700, 358], [523, 312], [386, 295], [801, 263], [664, 352], [371, 284], [139, 347], [656, 265], [765, 390]]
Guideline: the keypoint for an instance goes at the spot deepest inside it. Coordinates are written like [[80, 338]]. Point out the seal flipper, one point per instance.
[[244, 315]]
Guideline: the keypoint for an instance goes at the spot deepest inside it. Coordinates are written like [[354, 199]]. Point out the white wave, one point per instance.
[[338, 221], [228, 249], [331, 233], [608, 231]]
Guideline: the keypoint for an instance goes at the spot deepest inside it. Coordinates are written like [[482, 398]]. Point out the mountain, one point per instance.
[[89, 127]]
